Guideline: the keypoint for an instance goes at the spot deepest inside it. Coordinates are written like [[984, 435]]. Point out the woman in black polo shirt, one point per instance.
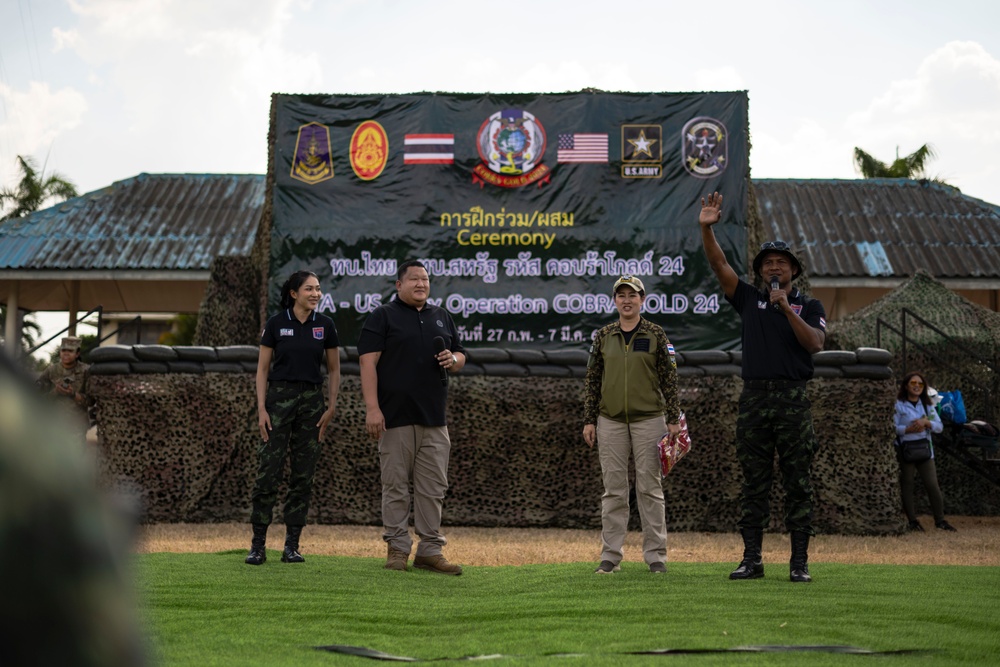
[[290, 411]]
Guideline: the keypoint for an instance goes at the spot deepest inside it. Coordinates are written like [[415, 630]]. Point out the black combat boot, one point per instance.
[[752, 566], [291, 553], [257, 555], [798, 566]]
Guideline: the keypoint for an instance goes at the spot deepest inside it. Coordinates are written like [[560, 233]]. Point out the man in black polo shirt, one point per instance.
[[782, 329], [405, 387]]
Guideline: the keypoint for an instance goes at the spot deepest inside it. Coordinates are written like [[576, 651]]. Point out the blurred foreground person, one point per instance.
[[64, 597]]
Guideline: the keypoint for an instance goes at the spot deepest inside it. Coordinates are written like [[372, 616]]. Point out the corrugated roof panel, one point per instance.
[[874, 258], [183, 221], [917, 225], [150, 221]]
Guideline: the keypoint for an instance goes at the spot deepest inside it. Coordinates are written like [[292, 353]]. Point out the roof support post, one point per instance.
[[74, 305], [12, 327]]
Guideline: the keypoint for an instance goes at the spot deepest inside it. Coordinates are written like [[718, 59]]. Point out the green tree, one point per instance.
[[909, 166], [34, 190], [181, 331]]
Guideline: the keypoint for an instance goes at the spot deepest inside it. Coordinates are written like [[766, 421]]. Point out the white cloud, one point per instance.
[[187, 80], [571, 76], [64, 39], [721, 78], [953, 103], [34, 120], [804, 149]]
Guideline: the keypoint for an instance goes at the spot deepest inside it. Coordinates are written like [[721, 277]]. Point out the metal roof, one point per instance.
[[175, 222], [864, 228], [882, 227]]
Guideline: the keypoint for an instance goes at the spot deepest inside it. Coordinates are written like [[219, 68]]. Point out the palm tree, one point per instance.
[[29, 331], [910, 166], [33, 190]]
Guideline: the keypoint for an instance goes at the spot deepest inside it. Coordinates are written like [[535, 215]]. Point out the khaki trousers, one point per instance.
[[615, 441], [419, 453]]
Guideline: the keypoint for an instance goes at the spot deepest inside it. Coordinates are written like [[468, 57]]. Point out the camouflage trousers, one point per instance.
[[294, 412], [769, 421]]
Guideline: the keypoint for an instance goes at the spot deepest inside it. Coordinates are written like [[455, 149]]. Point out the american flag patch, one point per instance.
[[582, 148]]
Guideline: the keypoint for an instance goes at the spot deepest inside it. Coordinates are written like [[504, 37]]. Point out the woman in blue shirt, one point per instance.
[[916, 420]]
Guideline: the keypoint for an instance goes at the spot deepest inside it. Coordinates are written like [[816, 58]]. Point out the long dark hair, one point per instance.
[[292, 285], [904, 395]]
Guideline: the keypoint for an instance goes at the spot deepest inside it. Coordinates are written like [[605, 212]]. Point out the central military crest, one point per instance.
[[511, 144]]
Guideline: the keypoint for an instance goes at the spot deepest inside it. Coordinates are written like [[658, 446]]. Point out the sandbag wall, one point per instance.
[[178, 429]]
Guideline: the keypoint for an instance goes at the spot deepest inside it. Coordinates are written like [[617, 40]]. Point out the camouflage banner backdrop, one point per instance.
[[525, 208]]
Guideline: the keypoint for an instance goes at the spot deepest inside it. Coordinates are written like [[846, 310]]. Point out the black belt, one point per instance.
[[294, 385], [774, 384]]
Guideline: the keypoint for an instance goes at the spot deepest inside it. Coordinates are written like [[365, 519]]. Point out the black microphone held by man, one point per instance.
[[774, 286]]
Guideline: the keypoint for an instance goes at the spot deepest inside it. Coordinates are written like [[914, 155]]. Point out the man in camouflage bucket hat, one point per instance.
[[782, 329]]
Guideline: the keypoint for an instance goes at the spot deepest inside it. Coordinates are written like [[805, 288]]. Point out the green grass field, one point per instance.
[[211, 609]]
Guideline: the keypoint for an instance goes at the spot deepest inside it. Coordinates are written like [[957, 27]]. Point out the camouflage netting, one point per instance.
[[185, 442], [967, 362], [227, 316]]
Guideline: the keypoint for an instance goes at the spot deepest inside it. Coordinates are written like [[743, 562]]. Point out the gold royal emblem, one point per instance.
[[312, 162]]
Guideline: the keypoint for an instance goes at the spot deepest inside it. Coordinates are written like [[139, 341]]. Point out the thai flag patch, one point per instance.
[[822, 322], [318, 333], [670, 349]]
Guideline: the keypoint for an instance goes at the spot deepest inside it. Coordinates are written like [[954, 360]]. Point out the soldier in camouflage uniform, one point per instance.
[[290, 412], [782, 329], [66, 382], [64, 547]]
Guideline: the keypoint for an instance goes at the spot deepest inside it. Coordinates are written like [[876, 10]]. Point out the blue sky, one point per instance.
[[101, 90]]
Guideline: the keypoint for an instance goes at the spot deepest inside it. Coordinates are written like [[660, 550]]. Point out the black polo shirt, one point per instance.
[[299, 347], [409, 381], [770, 349]]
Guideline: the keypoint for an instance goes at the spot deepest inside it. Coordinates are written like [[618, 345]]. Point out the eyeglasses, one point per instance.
[[775, 245]]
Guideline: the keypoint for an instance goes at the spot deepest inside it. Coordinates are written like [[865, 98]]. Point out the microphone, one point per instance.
[[774, 286], [439, 348]]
